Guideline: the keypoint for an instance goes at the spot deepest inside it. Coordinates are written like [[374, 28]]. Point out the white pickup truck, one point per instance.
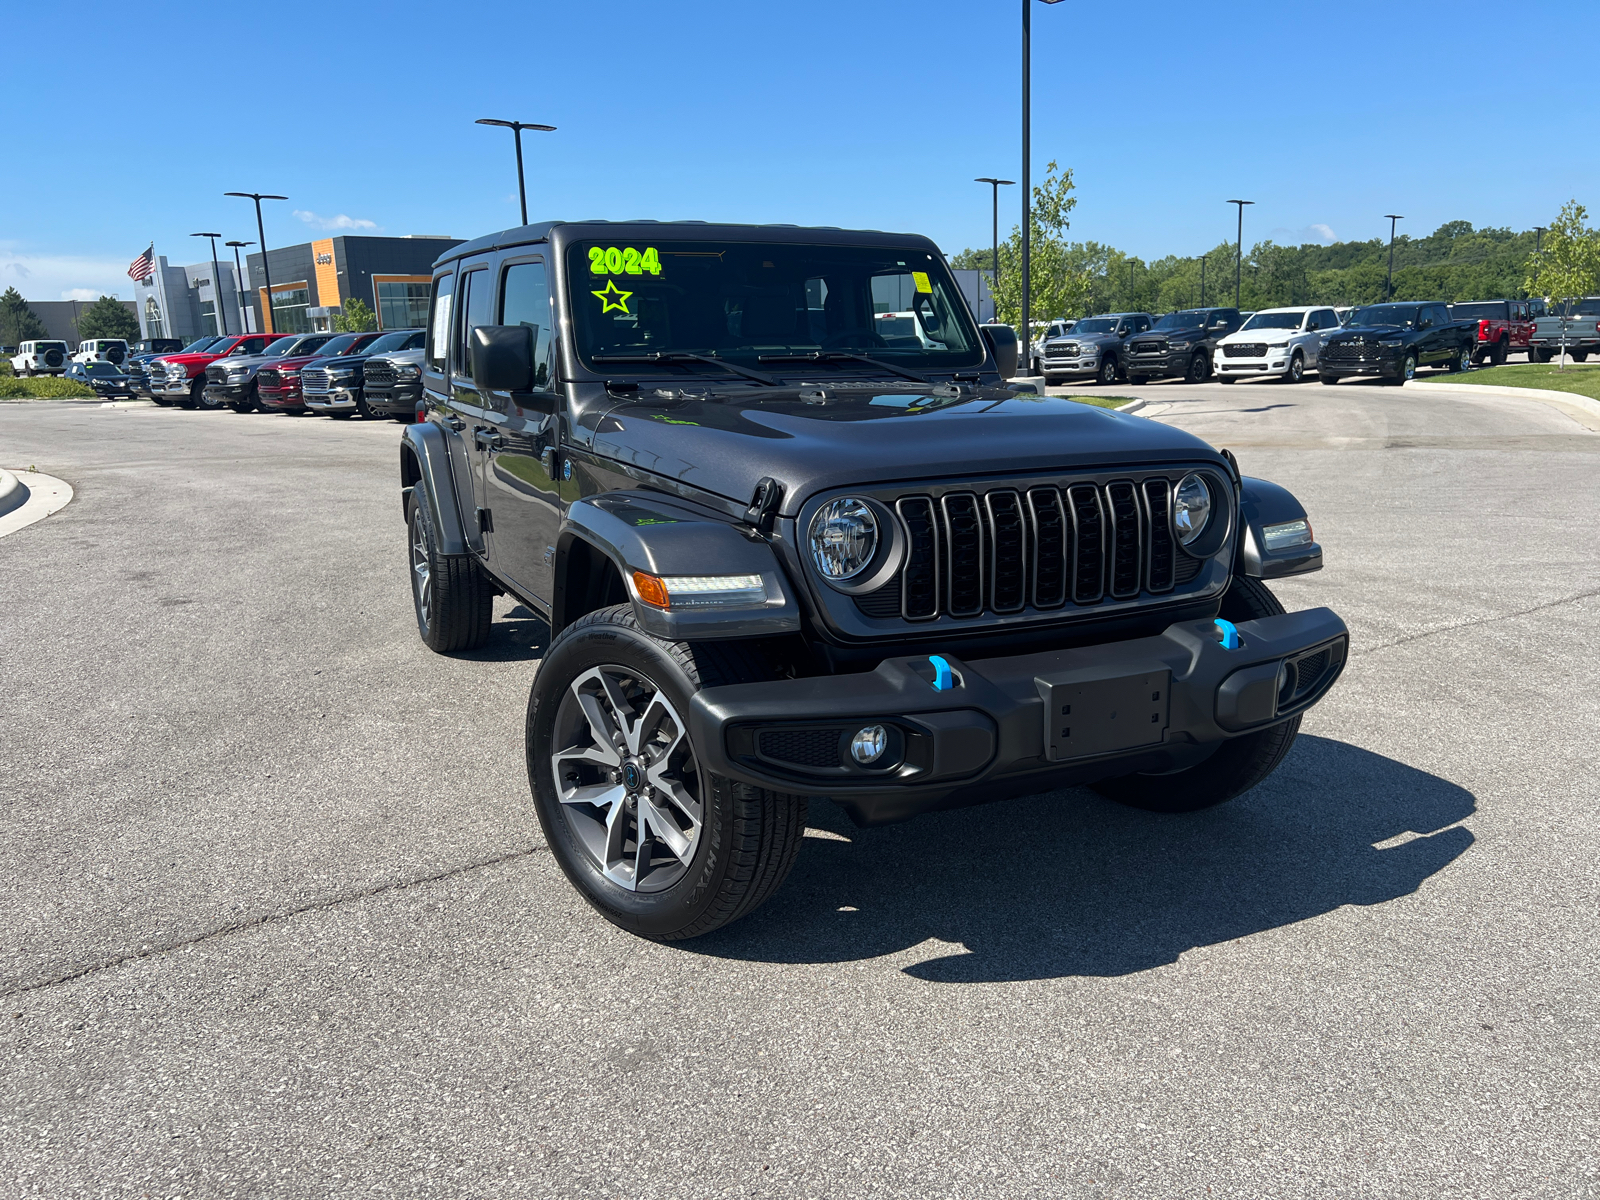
[[1275, 341]]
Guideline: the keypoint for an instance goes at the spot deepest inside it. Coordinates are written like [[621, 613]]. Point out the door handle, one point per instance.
[[488, 439]]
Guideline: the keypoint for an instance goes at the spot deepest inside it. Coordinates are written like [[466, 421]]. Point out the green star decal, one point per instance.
[[612, 297]]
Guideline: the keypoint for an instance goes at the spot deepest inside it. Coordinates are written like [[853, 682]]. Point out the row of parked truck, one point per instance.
[[375, 374], [1226, 344]]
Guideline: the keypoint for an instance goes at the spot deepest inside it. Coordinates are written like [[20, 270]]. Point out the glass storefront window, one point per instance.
[[208, 317], [402, 305], [289, 309], [152, 318]]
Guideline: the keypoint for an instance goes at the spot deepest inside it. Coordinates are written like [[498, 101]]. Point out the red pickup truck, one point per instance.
[[1504, 327], [182, 377]]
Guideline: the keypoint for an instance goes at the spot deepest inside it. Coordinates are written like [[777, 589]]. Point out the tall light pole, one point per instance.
[[1389, 284], [218, 312], [995, 186], [1538, 244], [1238, 262], [238, 272], [1027, 186], [261, 232], [1203, 258], [517, 127]]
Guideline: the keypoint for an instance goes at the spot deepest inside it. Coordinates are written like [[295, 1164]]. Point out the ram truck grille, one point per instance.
[[314, 381], [1245, 350], [1149, 347], [1354, 351], [378, 371], [1042, 547], [215, 374]]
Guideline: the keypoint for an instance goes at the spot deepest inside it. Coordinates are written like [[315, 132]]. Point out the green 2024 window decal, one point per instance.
[[613, 260]]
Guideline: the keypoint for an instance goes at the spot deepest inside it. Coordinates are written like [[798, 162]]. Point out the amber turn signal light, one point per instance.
[[651, 590]]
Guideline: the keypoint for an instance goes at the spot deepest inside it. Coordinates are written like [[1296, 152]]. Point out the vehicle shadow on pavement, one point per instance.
[[1071, 884], [517, 636]]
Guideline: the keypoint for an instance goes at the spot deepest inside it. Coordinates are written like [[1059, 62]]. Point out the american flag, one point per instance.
[[142, 267]]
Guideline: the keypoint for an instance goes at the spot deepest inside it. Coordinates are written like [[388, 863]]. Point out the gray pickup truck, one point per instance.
[[1578, 331], [1094, 349]]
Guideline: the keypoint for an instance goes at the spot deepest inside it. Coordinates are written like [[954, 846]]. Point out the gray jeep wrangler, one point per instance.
[[783, 557]]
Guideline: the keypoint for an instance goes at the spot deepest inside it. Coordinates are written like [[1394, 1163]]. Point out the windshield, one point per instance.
[[1181, 320], [101, 368], [196, 346], [280, 347], [748, 301], [339, 344], [1403, 315], [1495, 310], [1096, 325], [1584, 308], [403, 339], [1288, 320], [50, 345]]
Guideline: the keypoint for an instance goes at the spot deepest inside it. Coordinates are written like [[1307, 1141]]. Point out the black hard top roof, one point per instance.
[[822, 235]]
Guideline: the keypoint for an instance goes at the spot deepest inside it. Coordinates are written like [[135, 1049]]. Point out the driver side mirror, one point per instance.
[[1002, 343], [501, 357]]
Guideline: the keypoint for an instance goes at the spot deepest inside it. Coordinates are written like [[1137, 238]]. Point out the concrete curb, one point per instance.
[[1132, 406], [43, 495], [12, 493], [1565, 400]]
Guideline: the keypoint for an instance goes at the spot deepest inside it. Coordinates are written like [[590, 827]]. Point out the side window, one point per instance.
[[525, 300], [439, 325], [1141, 325], [1440, 314], [476, 307]]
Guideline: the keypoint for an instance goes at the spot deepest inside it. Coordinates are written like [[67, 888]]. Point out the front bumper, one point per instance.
[[163, 387], [1276, 362], [399, 398], [338, 399], [1387, 366], [1085, 365], [280, 397], [227, 393], [1018, 725]]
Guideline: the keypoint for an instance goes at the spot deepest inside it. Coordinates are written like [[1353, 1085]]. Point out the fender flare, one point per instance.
[[425, 467], [1262, 503], [644, 531]]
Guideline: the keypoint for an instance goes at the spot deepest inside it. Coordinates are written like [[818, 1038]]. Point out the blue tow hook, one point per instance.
[[1230, 634], [943, 677]]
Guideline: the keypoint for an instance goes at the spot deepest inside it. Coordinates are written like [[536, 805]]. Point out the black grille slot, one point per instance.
[[1008, 552], [1186, 569], [964, 541], [1302, 676], [921, 574], [1049, 548], [268, 377], [883, 604], [1158, 502], [1088, 539], [378, 371], [1127, 565], [803, 747]]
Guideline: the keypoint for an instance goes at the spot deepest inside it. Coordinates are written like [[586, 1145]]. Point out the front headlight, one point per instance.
[[844, 537], [407, 370], [1287, 534], [1191, 508]]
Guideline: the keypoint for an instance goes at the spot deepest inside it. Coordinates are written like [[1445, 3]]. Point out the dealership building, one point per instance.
[[310, 283]]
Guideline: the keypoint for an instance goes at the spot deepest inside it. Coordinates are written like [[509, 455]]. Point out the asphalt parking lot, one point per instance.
[[280, 922]]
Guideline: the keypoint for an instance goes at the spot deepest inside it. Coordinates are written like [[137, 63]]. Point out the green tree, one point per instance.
[[1569, 268], [1056, 285], [355, 317], [18, 322], [107, 317]]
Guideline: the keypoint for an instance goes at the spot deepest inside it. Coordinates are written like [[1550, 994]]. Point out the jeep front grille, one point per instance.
[[1009, 549]]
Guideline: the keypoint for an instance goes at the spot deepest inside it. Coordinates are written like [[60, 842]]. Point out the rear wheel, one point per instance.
[[1239, 763], [1462, 361], [1580, 356], [1544, 355], [1501, 349], [453, 601], [656, 844]]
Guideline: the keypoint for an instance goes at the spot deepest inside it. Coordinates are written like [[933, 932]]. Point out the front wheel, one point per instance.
[[1408, 369], [656, 844], [1238, 763], [365, 409], [1326, 377], [1199, 368], [1297, 369], [1107, 374]]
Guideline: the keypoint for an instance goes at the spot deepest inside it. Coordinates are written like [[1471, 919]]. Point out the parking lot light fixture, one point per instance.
[[1026, 339], [1238, 262], [261, 232], [1388, 284], [516, 128], [238, 272], [219, 314], [1538, 248], [995, 186]]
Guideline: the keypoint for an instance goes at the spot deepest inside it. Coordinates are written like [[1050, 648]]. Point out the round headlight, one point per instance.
[[844, 535], [1191, 508]]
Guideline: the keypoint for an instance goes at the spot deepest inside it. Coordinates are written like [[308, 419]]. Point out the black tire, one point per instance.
[[1323, 377], [1199, 369], [1297, 369], [249, 404], [1408, 370], [365, 409], [1580, 356], [1544, 355], [748, 837], [1461, 362], [1498, 354], [1107, 374], [191, 398], [1136, 381], [1227, 379], [454, 605], [343, 414], [1239, 763], [403, 418]]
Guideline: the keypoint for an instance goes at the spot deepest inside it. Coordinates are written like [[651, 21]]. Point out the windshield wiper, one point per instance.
[[843, 355], [685, 356]]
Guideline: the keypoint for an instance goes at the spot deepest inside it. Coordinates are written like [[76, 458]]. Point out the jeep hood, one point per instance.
[[810, 440]]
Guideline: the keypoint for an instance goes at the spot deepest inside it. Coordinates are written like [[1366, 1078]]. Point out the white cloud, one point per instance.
[[65, 277], [1325, 233], [337, 222], [1285, 236], [91, 295]]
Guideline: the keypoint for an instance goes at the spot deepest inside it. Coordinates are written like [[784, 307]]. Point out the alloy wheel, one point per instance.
[[1409, 368], [421, 569], [1466, 360], [627, 779]]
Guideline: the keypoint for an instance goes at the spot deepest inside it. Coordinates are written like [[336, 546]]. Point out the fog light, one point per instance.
[[868, 744]]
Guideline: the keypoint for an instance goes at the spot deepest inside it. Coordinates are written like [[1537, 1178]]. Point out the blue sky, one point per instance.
[[830, 112]]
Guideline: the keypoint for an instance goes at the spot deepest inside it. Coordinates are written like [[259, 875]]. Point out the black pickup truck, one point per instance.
[[781, 558], [1390, 341], [1180, 343]]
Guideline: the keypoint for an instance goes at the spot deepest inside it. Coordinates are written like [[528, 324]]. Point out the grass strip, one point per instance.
[[1581, 378]]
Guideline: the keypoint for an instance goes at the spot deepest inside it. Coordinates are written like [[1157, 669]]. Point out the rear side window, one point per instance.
[[526, 301], [439, 323], [476, 307]]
